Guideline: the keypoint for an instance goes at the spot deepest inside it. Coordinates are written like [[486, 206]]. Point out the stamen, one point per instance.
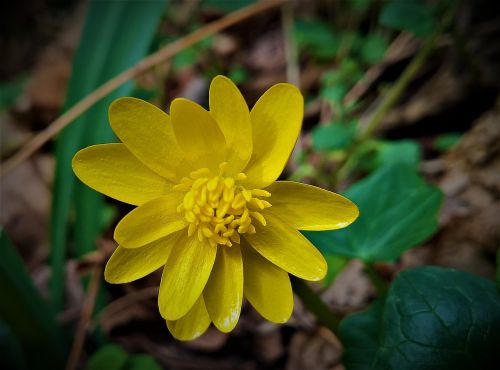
[[219, 208], [260, 193], [258, 216]]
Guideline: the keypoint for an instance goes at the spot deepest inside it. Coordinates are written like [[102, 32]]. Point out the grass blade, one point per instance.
[[116, 35], [26, 314]]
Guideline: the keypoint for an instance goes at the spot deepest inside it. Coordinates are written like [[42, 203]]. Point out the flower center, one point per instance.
[[219, 208]]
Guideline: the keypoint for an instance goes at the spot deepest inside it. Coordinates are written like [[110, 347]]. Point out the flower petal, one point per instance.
[[186, 274], [230, 110], [126, 265], [112, 170], [193, 324], [287, 248], [150, 221], [147, 132], [307, 207], [267, 287], [224, 290], [276, 121], [197, 133]]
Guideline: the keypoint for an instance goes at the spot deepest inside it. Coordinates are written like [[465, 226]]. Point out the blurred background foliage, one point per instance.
[[401, 116]]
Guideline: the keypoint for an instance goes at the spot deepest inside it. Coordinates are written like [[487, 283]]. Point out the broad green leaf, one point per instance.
[[432, 318], [335, 136], [409, 15], [381, 153], [26, 314], [116, 35], [142, 362], [109, 357], [398, 211]]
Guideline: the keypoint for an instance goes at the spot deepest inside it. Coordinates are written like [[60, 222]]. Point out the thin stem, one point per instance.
[[142, 66], [380, 284], [86, 315], [397, 89], [393, 94], [315, 304], [391, 98]]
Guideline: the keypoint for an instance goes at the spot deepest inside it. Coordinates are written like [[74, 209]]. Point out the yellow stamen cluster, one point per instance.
[[218, 208]]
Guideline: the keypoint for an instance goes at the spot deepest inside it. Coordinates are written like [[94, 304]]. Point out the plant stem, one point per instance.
[[391, 98], [315, 304], [393, 94], [397, 89], [380, 284]]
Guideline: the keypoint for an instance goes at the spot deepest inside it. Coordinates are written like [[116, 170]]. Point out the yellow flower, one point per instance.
[[209, 207]]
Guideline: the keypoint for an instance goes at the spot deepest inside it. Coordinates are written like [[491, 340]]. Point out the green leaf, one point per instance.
[[347, 73], [398, 211], [113, 357], [109, 357], [26, 314], [142, 362], [433, 318], [190, 56], [409, 15], [116, 35], [239, 74], [359, 6], [334, 93], [10, 347], [185, 58], [227, 6], [359, 333], [335, 136], [9, 91], [373, 48], [317, 38], [447, 141], [303, 171], [381, 153], [498, 268]]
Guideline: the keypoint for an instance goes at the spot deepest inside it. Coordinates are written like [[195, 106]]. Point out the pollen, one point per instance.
[[219, 208]]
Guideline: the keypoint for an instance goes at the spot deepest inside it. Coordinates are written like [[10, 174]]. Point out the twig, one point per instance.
[[292, 64], [126, 301], [86, 315], [404, 46], [154, 59]]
